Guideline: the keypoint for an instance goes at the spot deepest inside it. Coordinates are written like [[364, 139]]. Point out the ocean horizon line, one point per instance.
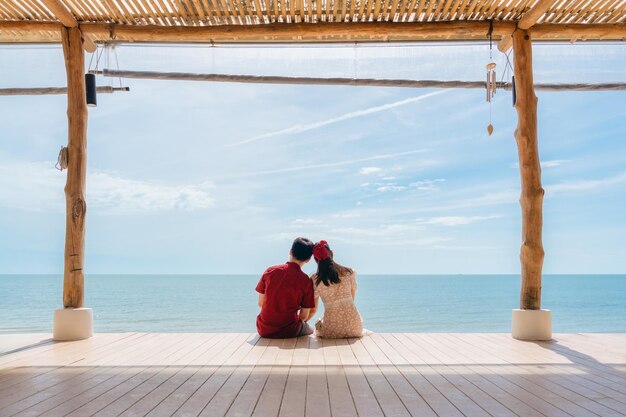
[[260, 273]]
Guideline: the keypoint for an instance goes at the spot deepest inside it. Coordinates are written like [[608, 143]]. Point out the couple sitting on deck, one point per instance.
[[289, 298]]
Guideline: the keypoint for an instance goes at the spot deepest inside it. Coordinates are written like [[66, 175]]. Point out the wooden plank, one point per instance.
[[203, 367], [492, 399], [174, 375], [134, 379], [411, 399], [412, 348], [74, 381], [215, 376], [271, 397], [340, 398], [294, 397], [143, 380], [13, 343], [182, 346], [528, 378], [32, 355], [364, 399], [37, 378], [243, 404], [227, 393], [317, 397], [389, 401], [604, 379]]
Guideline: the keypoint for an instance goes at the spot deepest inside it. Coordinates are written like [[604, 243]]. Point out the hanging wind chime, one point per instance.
[[491, 77]]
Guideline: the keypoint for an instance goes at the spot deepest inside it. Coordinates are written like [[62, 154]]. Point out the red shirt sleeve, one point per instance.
[[260, 287], [308, 300]]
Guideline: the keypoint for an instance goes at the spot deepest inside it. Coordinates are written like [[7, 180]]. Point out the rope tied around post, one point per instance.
[[62, 159]]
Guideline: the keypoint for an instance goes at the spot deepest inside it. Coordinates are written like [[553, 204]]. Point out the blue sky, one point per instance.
[[189, 177]]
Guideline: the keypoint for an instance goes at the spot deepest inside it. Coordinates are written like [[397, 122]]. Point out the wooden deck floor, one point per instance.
[[410, 375]]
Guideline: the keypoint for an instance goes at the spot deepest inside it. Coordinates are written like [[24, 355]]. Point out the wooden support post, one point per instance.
[[531, 199], [76, 207]]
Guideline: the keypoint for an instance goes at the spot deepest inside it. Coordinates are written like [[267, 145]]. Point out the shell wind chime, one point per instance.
[[490, 83]]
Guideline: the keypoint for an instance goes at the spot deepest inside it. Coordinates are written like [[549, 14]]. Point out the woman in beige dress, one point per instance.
[[336, 285]]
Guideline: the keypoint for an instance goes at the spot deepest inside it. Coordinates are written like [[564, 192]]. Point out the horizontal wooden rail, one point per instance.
[[363, 82], [54, 90], [318, 32]]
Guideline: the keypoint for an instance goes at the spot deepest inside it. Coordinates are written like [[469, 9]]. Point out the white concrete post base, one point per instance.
[[532, 324], [72, 324]]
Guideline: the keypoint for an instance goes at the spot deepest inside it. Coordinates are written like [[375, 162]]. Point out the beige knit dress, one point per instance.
[[341, 317]]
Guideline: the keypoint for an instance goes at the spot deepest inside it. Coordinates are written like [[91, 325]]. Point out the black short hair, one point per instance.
[[302, 249]]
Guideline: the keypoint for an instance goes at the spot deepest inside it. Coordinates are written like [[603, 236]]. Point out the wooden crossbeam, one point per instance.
[[28, 31], [67, 19], [527, 21], [61, 12]]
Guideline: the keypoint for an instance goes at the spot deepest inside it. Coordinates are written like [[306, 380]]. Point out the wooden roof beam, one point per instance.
[[28, 31], [299, 32], [527, 21], [61, 12], [67, 19]]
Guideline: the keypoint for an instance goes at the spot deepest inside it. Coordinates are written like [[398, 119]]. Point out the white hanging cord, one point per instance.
[[117, 64], [356, 60]]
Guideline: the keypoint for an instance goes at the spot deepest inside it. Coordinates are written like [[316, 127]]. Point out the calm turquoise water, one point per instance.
[[400, 303]]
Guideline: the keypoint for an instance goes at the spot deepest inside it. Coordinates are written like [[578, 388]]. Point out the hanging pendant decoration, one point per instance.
[[490, 83]]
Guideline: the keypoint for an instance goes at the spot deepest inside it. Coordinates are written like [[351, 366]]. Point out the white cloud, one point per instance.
[[456, 220], [370, 170], [113, 194], [299, 128], [37, 186], [586, 185], [554, 163], [426, 184], [547, 164], [305, 222], [391, 187]]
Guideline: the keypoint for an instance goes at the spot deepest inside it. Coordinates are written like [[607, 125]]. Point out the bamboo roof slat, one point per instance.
[[16, 12], [283, 9], [42, 12], [566, 12], [294, 5], [351, 17], [362, 9], [393, 11], [405, 9]]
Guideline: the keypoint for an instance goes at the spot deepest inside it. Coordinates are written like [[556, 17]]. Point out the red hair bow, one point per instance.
[[320, 250]]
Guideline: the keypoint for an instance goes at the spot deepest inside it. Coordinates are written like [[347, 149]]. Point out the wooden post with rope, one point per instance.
[[529, 321], [74, 322]]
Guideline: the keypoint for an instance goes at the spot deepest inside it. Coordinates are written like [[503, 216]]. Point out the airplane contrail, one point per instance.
[[299, 128]]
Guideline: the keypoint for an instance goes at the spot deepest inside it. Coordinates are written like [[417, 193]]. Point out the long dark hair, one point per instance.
[[328, 271]]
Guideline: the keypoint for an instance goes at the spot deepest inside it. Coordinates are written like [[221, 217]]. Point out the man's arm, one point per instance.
[[261, 300], [313, 311], [305, 314]]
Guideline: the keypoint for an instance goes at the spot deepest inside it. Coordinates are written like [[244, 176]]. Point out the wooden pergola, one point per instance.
[[81, 24]]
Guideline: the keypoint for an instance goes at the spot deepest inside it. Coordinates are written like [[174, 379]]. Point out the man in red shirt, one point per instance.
[[286, 295]]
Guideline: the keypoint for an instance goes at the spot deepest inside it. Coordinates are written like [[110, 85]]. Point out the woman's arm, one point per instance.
[[261, 300], [353, 286]]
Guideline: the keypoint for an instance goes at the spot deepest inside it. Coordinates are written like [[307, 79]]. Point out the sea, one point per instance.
[[387, 303]]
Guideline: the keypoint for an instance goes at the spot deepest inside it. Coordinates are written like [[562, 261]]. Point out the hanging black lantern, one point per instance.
[[513, 90], [90, 87]]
